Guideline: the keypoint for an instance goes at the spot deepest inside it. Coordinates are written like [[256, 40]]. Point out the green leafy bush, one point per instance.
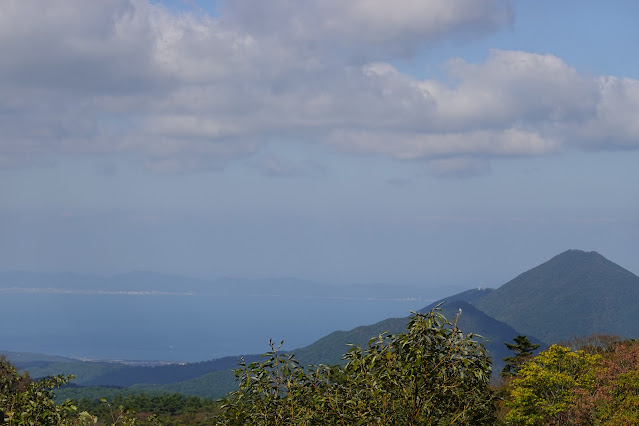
[[431, 374], [27, 402]]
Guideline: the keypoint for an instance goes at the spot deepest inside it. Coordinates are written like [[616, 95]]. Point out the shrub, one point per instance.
[[431, 374]]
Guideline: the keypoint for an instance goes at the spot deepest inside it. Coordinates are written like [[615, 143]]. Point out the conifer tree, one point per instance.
[[522, 351]]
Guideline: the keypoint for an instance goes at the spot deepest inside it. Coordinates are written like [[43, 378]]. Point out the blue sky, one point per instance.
[[432, 142]]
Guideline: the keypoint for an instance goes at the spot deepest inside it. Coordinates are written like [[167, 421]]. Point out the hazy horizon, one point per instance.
[[433, 286], [438, 143]]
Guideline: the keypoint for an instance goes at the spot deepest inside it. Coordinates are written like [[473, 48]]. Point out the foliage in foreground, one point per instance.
[[431, 374], [543, 390], [27, 402], [598, 386], [24, 401]]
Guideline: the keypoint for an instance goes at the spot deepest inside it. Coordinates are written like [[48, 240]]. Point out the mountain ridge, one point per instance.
[[573, 294]]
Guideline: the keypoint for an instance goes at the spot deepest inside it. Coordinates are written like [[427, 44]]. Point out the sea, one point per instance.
[[179, 327]]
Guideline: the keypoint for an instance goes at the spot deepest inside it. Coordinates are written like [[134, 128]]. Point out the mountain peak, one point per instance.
[[577, 251], [574, 293], [573, 261], [581, 254]]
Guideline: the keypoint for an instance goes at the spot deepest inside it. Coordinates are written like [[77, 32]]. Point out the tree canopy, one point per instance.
[[430, 374], [522, 351], [30, 402]]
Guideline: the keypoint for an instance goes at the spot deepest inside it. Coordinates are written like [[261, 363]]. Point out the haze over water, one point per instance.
[[178, 328]]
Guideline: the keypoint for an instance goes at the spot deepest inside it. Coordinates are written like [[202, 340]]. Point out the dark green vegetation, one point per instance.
[[24, 401], [121, 375], [213, 379], [574, 294], [429, 374], [209, 379], [522, 352], [329, 349], [141, 408]]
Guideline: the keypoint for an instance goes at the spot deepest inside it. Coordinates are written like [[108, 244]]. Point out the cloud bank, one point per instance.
[[189, 91]]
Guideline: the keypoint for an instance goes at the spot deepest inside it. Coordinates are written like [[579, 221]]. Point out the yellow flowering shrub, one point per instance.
[[544, 389]]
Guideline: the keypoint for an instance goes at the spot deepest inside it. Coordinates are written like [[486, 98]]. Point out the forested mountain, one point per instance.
[[330, 348], [575, 293], [92, 373], [494, 333]]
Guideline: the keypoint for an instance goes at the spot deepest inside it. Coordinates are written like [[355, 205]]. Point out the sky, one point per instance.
[[421, 142]]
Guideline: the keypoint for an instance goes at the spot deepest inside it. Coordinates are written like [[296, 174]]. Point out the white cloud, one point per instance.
[[410, 146], [513, 86], [361, 28], [191, 91], [86, 47], [614, 124], [514, 104]]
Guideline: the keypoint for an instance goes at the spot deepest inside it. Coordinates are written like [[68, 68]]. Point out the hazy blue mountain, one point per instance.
[[145, 281], [33, 280], [25, 360], [469, 296], [575, 293]]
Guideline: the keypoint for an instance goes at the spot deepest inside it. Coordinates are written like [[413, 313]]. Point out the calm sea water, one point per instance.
[[178, 328]]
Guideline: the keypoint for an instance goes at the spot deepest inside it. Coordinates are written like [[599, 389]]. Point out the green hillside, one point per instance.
[[116, 374], [576, 293], [213, 378], [211, 385], [329, 349]]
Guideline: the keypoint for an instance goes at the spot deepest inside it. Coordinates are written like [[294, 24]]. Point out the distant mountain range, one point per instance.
[[144, 282], [575, 293]]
